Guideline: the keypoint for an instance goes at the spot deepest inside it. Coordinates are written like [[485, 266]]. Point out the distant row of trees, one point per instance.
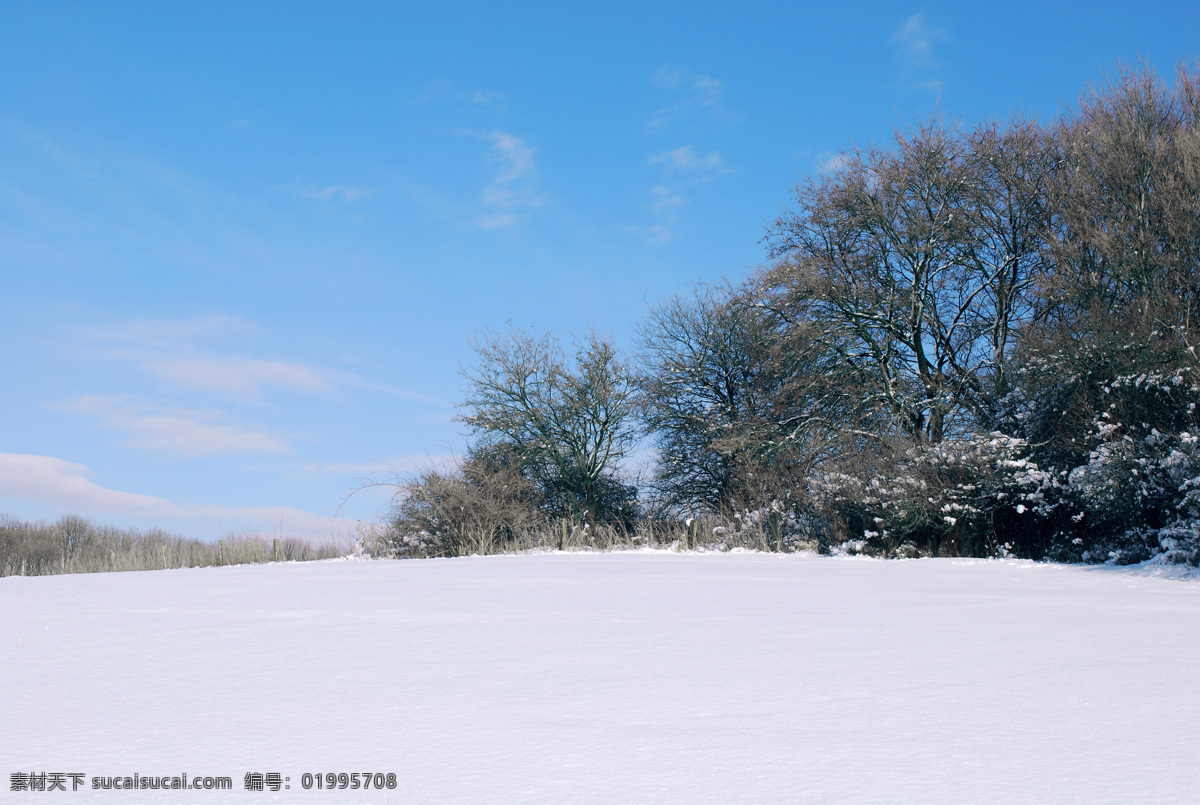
[[978, 340], [73, 544]]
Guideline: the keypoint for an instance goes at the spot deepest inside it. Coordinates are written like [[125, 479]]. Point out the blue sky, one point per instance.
[[244, 245]]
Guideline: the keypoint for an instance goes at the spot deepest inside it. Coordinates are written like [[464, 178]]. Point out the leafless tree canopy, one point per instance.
[[569, 421], [920, 259]]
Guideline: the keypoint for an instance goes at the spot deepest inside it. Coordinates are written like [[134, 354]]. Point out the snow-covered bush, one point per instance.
[[1137, 496], [777, 526], [974, 496]]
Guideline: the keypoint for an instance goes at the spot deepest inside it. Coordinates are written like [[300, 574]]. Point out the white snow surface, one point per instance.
[[621, 677]]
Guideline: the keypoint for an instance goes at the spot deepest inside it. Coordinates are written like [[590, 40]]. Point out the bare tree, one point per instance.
[[708, 378], [1007, 249], [1128, 204], [75, 533], [920, 259], [1121, 296], [569, 421], [739, 399]]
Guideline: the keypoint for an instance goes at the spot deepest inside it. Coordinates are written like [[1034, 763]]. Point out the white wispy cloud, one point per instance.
[[489, 98], [331, 192], [187, 354], [351, 379], [657, 233], [235, 376], [475, 100], [515, 160], [667, 200], [686, 159], [145, 333], [696, 99], [43, 479], [915, 42], [399, 466], [696, 106], [186, 432], [512, 190], [64, 485], [665, 206], [171, 331], [434, 90], [669, 77], [501, 221], [184, 354], [682, 168]]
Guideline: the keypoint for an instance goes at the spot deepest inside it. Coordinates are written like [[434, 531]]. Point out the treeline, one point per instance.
[[976, 341], [74, 544]]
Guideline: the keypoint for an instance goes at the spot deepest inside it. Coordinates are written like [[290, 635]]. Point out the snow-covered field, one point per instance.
[[626, 677]]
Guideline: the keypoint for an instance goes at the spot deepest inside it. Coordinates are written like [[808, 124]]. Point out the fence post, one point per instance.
[[22, 567], [277, 551], [562, 534], [112, 561], [220, 552], [164, 558], [776, 531], [693, 529]]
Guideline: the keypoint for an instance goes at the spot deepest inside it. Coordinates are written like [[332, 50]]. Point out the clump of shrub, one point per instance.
[[488, 506], [972, 496], [484, 506], [1136, 496]]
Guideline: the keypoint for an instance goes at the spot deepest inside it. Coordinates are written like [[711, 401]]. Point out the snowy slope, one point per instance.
[[628, 677]]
